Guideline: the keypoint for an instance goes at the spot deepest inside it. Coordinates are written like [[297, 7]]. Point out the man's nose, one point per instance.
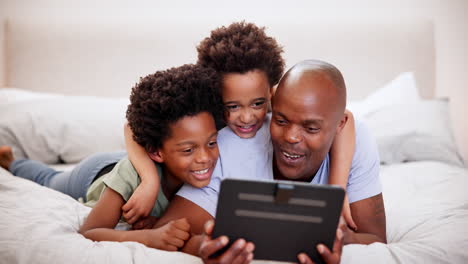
[[292, 135]]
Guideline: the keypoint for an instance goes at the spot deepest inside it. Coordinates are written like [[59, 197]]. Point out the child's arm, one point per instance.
[[341, 157], [142, 200], [100, 223]]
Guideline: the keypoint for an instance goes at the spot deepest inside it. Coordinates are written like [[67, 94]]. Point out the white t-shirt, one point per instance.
[[252, 159]]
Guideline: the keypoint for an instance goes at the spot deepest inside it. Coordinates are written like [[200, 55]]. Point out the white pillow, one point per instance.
[[402, 89], [63, 128], [14, 95], [406, 127], [414, 131]]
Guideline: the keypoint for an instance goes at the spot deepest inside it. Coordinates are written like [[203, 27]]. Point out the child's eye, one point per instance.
[[189, 150], [232, 107], [258, 104], [212, 143]]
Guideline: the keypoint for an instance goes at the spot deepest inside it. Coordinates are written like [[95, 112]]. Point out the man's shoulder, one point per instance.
[[363, 181], [365, 142]]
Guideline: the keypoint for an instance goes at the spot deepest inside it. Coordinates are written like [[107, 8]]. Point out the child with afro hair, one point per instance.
[[173, 116]]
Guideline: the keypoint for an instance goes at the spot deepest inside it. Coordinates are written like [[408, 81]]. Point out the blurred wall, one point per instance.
[[449, 16]]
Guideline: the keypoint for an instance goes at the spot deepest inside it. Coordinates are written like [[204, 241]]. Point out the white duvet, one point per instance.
[[426, 206]]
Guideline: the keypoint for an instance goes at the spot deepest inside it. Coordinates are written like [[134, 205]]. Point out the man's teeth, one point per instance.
[[201, 171], [291, 156]]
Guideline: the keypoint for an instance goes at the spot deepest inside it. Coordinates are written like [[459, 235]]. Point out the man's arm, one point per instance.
[[183, 208], [369, 216], [365, 191]]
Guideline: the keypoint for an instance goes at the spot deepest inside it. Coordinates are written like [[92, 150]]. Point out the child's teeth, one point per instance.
[[201, 171], [291, 156]]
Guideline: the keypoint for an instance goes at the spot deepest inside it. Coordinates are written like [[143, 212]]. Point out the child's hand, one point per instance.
[[140, 203], [346, 212], [170, 236], [145, 223]]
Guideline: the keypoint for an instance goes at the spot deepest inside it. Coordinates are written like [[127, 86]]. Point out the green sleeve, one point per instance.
[[123, 179]]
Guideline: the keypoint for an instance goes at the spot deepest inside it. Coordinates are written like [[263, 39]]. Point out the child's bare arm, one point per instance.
[[341, 157], [142, 200], [100, 223]]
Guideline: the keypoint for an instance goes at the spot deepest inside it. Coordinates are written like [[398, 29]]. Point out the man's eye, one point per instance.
[[280, 121], [313, 129]]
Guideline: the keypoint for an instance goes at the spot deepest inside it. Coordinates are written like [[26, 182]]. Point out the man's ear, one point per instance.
[[157, 156], [342, 122], [273, 90]]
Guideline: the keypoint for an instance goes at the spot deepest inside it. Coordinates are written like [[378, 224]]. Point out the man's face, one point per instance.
[[303, 125]]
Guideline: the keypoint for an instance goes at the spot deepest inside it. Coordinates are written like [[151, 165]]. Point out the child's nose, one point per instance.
[[246, 116]]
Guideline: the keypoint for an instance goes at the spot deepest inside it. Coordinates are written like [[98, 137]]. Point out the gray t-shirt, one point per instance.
[[252, 159]]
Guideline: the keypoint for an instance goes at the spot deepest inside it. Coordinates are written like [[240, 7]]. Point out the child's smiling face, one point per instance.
[[246, 97], [191, 151]]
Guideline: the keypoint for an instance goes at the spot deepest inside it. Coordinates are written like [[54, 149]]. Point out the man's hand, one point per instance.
[[140, 203], [240, 252], [145, 223], [330, 257], [170, 236]]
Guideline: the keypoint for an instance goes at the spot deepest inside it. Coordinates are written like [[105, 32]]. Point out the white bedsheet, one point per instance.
[[426, 205]]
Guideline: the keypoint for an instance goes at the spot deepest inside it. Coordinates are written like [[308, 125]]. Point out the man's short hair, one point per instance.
[[162, 98], [242, 47]]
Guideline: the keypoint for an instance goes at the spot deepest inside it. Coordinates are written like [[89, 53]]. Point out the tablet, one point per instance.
[[282, 218]]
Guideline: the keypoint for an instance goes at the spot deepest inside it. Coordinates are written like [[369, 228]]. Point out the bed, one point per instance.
[[68, 85]]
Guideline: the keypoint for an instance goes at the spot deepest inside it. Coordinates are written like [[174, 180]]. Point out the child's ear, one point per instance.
[[157, 156]]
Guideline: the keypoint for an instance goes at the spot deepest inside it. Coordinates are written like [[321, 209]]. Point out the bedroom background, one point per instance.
[[90, 50], [449, 19]]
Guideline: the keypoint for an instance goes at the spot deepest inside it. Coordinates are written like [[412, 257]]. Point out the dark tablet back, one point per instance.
[[282, 218]]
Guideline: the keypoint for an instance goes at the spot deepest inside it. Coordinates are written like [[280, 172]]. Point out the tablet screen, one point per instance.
[[281, 218]]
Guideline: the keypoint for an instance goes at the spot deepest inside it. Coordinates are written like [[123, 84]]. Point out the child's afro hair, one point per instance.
[[242, 47], [162, 98]]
